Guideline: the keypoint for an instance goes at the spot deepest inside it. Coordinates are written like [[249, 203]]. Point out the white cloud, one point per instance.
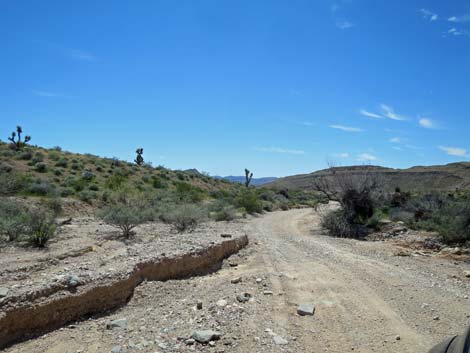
[[366, 157], [457, 19], [427, 123], [457, 32], [389, 112], [455, 151], [344, 24], [428, 15], [278, 150], [81, 55], [397, 148], [342, 155], [396, 140], [370, 115], [49, 94], [346, 128], [308, 123]]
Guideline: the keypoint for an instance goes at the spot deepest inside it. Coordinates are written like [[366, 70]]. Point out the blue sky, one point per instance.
[[280, 87]]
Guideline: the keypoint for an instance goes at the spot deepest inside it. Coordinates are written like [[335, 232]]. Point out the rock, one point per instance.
[[190, 341], [205, 336], [397, 337], [222, 303], [3, 292], [116, 349], [236, 280], [199, 305], [268, 292], [212, 343], [162, 346], [119, 324], [244, 297], [233, 264], [466, 274], [72, 281], [435, 318], [279, 341], [306, 309], [259, 280], [225, 235]]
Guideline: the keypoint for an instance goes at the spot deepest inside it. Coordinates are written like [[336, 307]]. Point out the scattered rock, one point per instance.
[[233, 264], [259, 280], [72, 281], [306, 309], [222, 303], [466, 274], [119, 324], [397, 337], [435, 318], [3, 292], [236, 280], [268, 292], [190, 341], [212, 343], [225, 235], [199, 305], [244, 297], [116, 349], [278, 340], [205, 336]]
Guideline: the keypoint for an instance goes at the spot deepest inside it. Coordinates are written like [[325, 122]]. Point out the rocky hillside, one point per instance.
[[420, 178]]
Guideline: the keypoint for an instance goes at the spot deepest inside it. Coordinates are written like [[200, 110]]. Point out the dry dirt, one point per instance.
[[366, 298]]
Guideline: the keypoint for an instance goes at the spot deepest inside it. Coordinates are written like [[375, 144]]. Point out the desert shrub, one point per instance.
[[99, 169], [57, 172], [38, 158], [12, 183], [41, 167], [94, 187], [13, 219], [62, 163], [248, 199], [115, 181], [157, 183], [57, 148], [127, 212], [188, 192], [54, 204], [25, 156], [65, 192], [41, 188], [54, 155], [78, 184], [87, 196], [227, 213], [338, 225], [284, 206], [185, 217], [87, 175], [41, 228]]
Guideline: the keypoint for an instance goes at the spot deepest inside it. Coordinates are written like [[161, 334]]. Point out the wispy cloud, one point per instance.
[[396, 140], [428, 15], [367, 157], [346, 128], [455, 151], [308, 123], [278, 150], [458, 19], [427, 123], [49, 94], [344, 24], [389, 112], [342, 155], [457, 32], [81, 55], [370, 114]]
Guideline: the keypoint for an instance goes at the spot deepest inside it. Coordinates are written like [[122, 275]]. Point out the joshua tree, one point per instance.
[[16, 138], [248, 176], [139, 159]]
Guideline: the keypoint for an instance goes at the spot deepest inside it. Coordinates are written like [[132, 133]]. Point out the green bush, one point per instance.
[[127, 212], [115, 181], [25, 156], [41, 228], [338, 225], [13, 219], [185, 217], [248, 199], [41, 167], [188, 192], [62, 163], [41, 188], [87, 196], [226, 213], [12, 183]]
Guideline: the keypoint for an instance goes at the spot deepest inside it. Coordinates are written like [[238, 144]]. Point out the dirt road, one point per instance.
[[367, 300]]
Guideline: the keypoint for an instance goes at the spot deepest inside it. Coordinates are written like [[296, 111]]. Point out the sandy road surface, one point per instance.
[[365, 299]]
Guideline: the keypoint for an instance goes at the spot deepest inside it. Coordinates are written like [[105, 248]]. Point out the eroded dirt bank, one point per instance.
[[367, 300]]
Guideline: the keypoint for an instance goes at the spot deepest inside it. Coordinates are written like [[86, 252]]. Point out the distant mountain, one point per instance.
[[241, 179], [420, 178]]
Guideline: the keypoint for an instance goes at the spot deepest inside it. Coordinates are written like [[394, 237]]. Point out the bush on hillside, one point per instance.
[[249, 200], [13, 219], [41, 228], [185, 217]]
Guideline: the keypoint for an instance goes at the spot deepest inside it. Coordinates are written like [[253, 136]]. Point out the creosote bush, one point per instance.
[[185, 217], [128, 210], [41, 228]]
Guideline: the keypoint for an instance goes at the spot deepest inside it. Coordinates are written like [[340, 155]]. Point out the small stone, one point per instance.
[[116, 349], [199, 305], [268, 292], [278, 340], [225, 235], [244, 297], [212, 343], [306, 309], [205, 336], [466, 274], [190, 341], [162, 346], [222, 303], [72, 281], [259, 280], [233, 264], [435, 318], [236, 280], [119, 324], [397, 338], [3, 292]]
